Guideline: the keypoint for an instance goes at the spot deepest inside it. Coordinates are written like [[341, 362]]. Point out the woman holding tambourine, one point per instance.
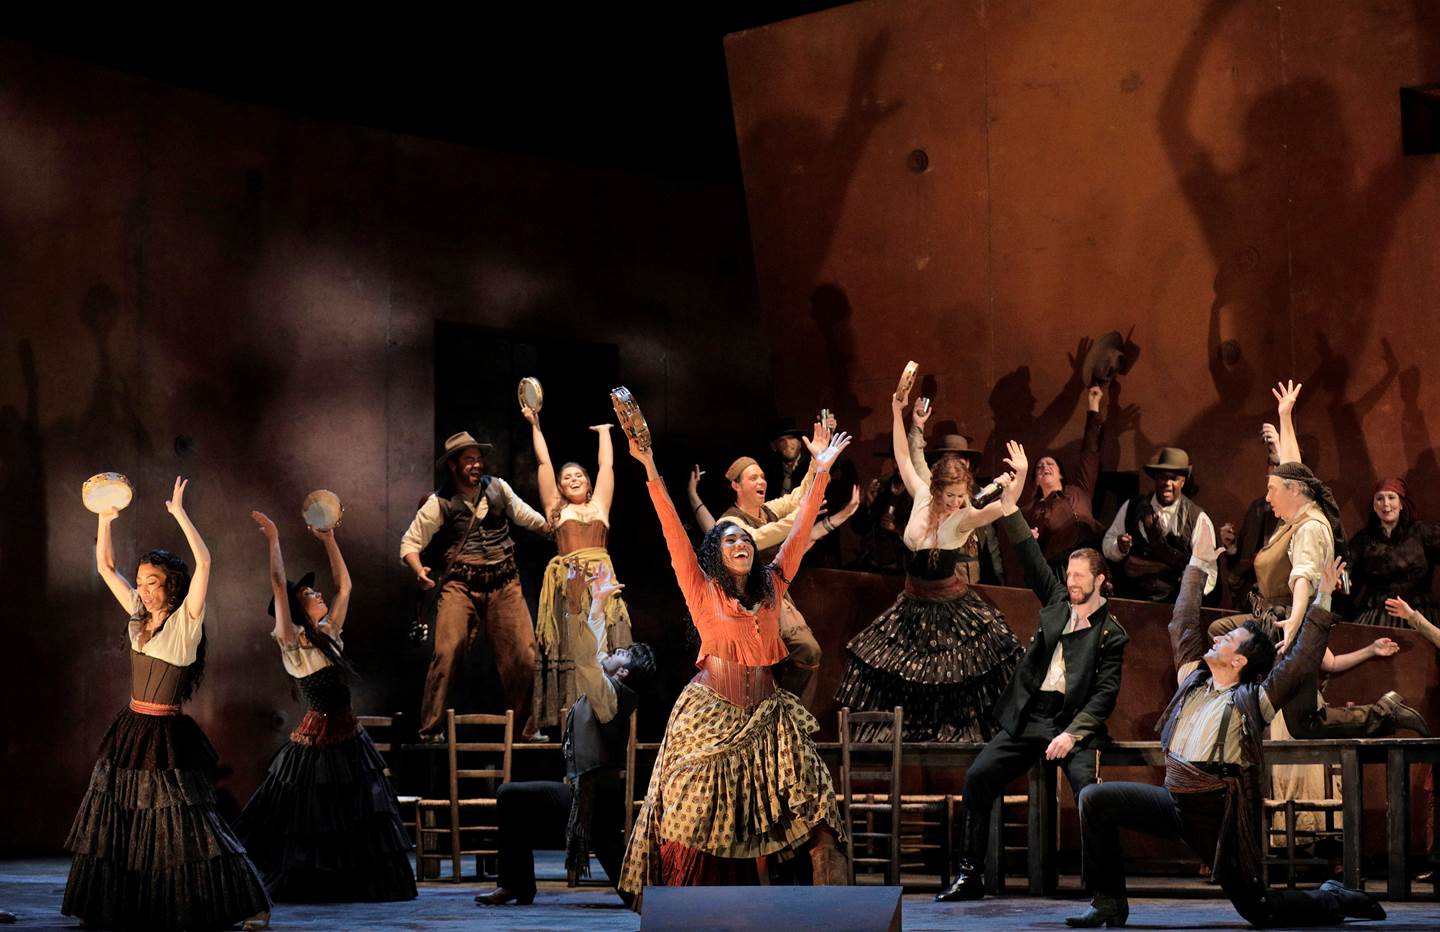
[[324, 826], [940, 650], [150, 849], [579, 515]]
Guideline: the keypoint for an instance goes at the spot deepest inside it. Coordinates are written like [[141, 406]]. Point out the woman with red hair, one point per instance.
[[940, 650], [1392, 557]]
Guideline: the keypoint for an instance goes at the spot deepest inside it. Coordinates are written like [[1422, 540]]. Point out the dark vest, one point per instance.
[[489, 540], [768, 555], [1173, 552], [591, 744]]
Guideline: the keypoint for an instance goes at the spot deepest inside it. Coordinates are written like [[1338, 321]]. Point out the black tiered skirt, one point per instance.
[[324, 826], [150, 849], [946, 659]]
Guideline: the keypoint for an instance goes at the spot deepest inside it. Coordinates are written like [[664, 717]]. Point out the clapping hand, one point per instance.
[[832, 451]]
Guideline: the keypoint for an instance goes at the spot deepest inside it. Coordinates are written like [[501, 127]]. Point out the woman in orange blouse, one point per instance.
[[738, 775]]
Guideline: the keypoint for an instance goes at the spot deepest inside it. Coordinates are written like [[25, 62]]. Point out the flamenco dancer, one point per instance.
[[150, 849], [324, 826], [579, 512], [737, 775], [940, 650]]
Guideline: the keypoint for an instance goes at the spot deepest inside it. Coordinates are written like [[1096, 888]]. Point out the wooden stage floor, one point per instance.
[[32, 889]]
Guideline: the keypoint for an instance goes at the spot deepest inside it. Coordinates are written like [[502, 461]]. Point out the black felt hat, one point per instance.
[[305, 582]]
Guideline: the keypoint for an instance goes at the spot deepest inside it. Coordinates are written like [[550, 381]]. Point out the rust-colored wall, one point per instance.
[[1188, 172], [177, 264]]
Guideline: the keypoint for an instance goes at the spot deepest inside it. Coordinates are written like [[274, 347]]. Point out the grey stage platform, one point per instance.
[[32, 889]]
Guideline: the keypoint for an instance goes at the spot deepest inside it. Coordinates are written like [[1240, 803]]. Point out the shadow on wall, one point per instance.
[[827, 163], [1309, 260]]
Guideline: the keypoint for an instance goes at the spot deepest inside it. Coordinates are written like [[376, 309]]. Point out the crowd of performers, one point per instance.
[[738, 775]]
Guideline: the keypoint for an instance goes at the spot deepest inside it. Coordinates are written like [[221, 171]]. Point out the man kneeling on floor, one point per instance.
[[1215, 774], [587, 813]]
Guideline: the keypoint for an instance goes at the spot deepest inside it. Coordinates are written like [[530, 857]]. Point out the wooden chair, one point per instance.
[[1289, 856], [470, 815], [866, 846], [387, 729]]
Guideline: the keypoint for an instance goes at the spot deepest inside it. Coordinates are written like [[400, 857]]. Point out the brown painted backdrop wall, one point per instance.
[[1220, 180], [176, 264]]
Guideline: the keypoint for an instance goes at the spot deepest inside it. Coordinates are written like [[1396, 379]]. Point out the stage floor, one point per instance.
[[32, 889]]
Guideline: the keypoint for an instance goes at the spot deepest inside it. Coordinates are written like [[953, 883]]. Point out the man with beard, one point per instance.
[[470, 516], [1057, 702], [1153, 536]]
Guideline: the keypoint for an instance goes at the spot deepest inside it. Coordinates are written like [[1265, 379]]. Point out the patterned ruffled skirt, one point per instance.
[[730, 784], [324, 826], [945, 660], [150, 849]]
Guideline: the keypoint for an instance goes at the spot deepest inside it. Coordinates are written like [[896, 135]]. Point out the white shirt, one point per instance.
[[1169, 517], [176, 641], [302, 659], [954, 531], [1312, 547], [1055, 676], [430, 518]]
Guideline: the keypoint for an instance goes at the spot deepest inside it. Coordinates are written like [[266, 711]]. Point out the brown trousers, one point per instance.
[[797, 672], [510, 632]]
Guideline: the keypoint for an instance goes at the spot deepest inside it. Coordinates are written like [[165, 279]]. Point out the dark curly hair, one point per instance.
[[759, 585], [177, 586], [642, 666], [1259, 653]]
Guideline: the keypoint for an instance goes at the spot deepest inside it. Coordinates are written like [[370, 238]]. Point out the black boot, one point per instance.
[[1399, 715], [1104, 911], [969, 883], [1351, 903]]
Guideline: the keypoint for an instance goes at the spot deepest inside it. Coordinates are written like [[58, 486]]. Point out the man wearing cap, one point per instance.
[[982, 562], [769, 523], [470, 517], [787, 468], [1153, 536]]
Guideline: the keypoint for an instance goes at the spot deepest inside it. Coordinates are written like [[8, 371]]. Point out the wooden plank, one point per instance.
[[1352, 788], [1397, 812]]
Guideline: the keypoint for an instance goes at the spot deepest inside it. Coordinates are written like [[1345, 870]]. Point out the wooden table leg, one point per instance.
[[1352, 786], [1040, 828], [1397, 813]]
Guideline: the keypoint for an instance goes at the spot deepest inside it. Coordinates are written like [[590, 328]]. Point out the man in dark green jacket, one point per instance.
[[1057, 702]]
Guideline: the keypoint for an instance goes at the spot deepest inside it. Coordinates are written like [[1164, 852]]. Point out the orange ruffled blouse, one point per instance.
[[729, 630]]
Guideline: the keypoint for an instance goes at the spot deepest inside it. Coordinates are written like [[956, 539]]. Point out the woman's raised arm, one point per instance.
[[544, 469], [200, 579], [105, 562]]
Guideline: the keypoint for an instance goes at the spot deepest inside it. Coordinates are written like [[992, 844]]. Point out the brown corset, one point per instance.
[[155, 681], [574, 535], [744, 686]]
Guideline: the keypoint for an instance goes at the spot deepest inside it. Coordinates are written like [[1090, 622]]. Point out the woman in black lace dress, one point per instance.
[[150, 849], [1392, 557], [940, 650], [324, 826]]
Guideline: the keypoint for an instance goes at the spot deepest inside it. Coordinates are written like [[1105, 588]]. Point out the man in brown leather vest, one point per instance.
[[470, 517]]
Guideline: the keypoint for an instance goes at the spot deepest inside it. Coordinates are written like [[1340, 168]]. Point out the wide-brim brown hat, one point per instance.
[[1169, 459], [956, 445], [1105, 360], [457, 442]]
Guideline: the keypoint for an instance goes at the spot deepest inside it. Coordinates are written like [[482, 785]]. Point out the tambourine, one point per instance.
[[627, 411], [530, 394], [907, 380], [322, 510], [106, 490]]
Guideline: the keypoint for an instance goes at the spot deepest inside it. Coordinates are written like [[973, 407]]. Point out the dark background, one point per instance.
[[237, 250]]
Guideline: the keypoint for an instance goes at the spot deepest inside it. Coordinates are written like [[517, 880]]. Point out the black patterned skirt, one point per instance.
[[150, 849], [324, 826], [944, 657]]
